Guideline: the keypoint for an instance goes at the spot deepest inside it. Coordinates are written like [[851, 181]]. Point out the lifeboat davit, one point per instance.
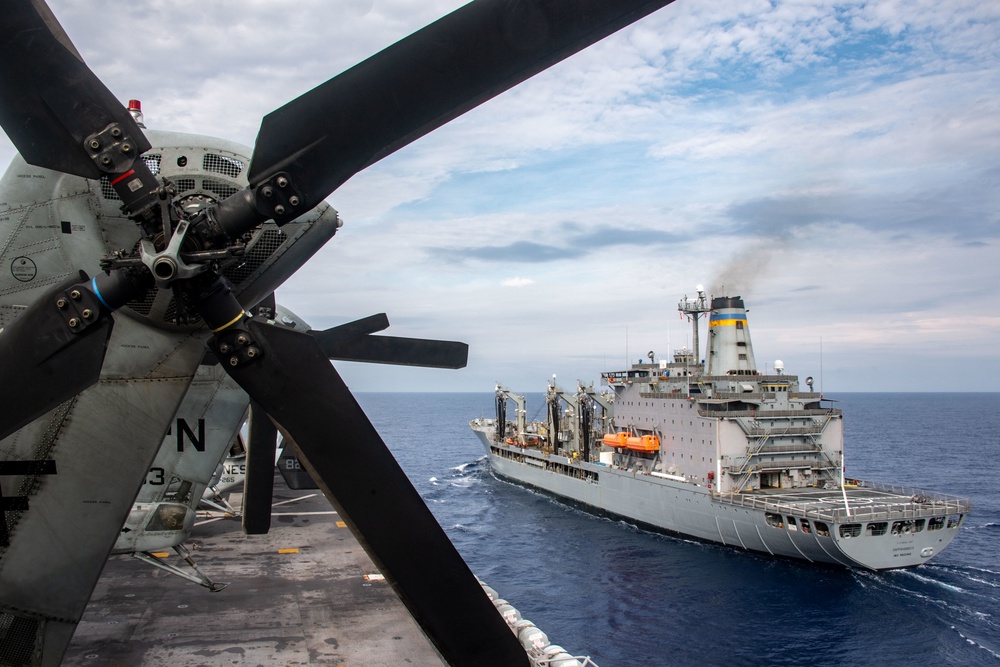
[[644, 443]]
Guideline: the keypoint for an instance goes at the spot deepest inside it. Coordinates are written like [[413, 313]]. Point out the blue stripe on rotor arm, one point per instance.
[[97, 292]]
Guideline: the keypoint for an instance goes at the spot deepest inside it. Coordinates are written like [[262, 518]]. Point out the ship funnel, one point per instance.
[[729, 349]]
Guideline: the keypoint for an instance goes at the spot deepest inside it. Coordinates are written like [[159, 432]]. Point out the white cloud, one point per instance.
[[517, 281], [844, 150]]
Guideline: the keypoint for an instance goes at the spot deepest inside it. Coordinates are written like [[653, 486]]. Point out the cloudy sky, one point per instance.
[[833, 162]]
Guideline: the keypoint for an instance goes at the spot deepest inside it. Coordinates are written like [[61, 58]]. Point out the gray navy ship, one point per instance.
[[718, 451]]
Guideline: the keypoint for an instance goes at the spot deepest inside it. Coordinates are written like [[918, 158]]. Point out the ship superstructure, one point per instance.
[[717, 450]]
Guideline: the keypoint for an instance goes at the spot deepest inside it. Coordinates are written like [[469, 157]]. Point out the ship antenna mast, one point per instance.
[[695, 308]]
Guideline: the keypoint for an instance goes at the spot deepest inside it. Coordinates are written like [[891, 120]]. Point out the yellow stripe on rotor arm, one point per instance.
[[229, 323]]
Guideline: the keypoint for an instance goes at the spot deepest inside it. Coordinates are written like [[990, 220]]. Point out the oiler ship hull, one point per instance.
[[884, 529]]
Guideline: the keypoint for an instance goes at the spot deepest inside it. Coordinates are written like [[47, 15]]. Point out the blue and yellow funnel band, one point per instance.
[[726, 319]]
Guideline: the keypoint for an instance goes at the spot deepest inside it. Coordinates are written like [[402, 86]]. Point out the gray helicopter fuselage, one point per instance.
[[52, 225]]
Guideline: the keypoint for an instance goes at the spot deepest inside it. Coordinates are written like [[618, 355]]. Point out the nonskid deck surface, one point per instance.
[[298, 595]]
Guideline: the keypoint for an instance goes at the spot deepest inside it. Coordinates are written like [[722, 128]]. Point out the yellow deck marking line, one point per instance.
[[291, 550], [161, 554]]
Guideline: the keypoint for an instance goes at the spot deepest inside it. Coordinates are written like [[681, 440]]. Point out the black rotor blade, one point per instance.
[[366, 325], [258, 485], [51, 100], [436, 74], [393, 350], [293, 380], [46, 358]]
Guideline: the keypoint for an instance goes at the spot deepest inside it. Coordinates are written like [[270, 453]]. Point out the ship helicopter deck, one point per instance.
[[864, 501]]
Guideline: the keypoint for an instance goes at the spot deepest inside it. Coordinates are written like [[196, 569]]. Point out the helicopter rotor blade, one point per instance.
[[53, 102], [394, 350], [291, 378], [52, 352], [352, 342], [366, 325], [322, 138], [258, 485]]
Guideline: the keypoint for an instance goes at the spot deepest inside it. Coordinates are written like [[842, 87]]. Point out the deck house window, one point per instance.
[[877, 528], [850, 530]]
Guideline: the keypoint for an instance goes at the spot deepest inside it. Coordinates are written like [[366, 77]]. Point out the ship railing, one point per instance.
[[749, 377], [793, 395], [925, 504], [815, 429], [797, 448], [766, 414], [784, 464], [922, 494], [764, 395]]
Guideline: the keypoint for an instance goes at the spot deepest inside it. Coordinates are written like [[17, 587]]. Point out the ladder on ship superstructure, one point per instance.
[[765, 443], [745, 465]]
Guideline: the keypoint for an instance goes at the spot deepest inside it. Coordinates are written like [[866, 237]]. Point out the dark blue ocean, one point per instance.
[[630, 597]]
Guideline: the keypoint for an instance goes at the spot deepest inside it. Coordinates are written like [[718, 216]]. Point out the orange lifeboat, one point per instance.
[[645, 443], [615, 439]]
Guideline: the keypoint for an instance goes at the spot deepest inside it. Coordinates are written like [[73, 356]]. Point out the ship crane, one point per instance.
[[582, 423], [589, 398], [521, 420]]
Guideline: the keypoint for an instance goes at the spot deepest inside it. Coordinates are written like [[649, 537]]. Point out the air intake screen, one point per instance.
[[18, 637], [222, 165], [219, 188]]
